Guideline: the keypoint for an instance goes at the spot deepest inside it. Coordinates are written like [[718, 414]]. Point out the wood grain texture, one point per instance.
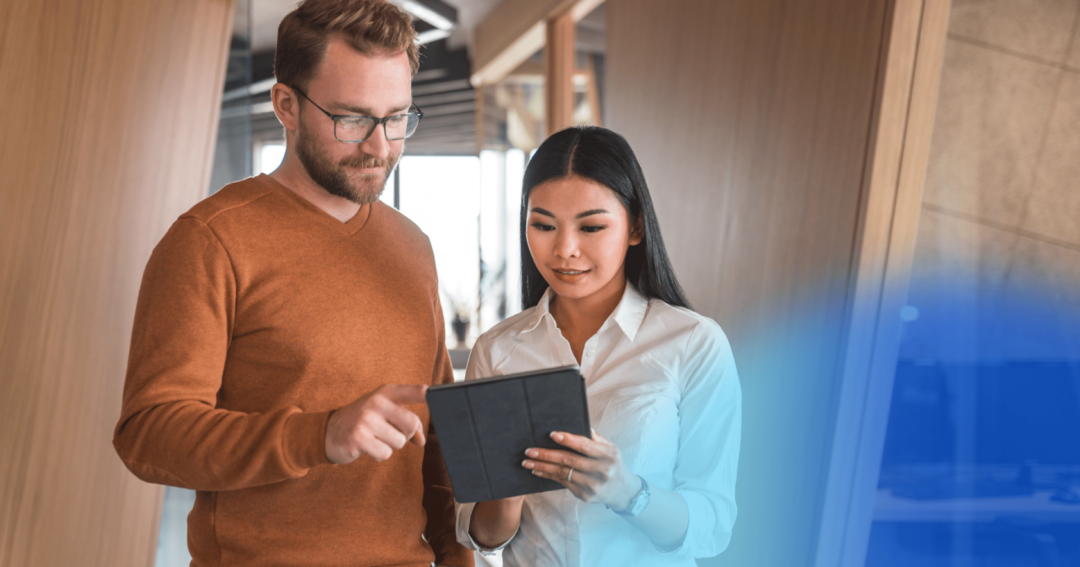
[[756, 122], [110, 116], [559, 67], [494, 38], [514, 31], [885, 248]]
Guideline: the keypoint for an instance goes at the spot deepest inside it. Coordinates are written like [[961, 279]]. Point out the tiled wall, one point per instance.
[[1001, 212]]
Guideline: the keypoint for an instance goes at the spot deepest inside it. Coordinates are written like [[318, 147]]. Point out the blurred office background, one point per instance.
[[879, 201]]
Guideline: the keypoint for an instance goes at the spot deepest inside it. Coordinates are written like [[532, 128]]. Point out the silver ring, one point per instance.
[[570, 474]]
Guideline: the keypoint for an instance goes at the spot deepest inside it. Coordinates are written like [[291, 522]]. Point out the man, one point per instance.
[[288, 327]]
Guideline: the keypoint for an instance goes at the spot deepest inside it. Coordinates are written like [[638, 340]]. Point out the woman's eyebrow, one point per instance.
[[545, 212], [592, 212], [588, 213]]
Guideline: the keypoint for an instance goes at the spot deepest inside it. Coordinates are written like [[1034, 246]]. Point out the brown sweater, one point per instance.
[[258, 315]]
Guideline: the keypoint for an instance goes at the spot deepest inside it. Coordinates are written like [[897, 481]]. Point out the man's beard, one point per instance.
[[359, 188]]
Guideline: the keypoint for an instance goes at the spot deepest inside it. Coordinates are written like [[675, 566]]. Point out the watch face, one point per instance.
[[639, 502]]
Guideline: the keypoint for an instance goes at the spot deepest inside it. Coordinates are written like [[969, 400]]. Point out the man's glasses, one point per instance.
[[355, 128]]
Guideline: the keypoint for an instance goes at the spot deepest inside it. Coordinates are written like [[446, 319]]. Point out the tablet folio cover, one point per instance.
[[484, 427]]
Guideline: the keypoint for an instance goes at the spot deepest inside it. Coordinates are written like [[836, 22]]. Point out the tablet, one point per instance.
[[484, 427]]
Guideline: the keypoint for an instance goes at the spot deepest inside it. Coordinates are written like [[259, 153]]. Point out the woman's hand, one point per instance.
[[597, 475]]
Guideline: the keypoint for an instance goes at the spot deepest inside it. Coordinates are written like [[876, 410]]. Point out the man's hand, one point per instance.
[[376, 424]]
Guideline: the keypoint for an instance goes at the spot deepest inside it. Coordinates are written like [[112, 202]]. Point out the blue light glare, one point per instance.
[[981, 465]]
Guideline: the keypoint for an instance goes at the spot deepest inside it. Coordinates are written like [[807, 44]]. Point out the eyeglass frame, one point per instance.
[[377, 121]]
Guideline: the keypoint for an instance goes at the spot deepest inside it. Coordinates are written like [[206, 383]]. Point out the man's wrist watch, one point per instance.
[[637, 503]]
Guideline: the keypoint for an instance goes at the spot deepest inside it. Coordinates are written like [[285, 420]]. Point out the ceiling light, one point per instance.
[[446, 20], [429, 36]]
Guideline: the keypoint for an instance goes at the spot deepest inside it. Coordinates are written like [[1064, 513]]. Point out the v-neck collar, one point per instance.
[[348, 228]]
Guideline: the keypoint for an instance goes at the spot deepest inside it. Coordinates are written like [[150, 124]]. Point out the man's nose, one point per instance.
[[376, 145]]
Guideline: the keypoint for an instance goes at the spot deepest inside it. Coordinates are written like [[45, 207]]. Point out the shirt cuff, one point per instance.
[[464, 519]]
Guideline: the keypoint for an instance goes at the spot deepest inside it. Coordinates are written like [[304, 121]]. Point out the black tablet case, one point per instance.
[[483, 449]]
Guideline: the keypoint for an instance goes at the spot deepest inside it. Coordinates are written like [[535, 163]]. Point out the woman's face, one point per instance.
[[578, 233]]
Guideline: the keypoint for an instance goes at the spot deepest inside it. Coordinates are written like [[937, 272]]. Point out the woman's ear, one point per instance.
[[637, 231]]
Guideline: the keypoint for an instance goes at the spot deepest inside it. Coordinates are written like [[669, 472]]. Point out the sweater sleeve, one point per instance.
[[170, 431], [438, 494]]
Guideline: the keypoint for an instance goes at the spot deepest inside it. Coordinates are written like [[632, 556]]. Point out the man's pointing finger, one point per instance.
[[407, 422], [406, 394]]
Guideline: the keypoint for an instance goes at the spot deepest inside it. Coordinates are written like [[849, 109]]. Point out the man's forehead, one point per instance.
[[369, 110], [354, 82], [343, 59]]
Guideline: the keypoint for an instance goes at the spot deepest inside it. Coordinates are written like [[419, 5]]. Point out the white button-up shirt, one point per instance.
[[662, 386]]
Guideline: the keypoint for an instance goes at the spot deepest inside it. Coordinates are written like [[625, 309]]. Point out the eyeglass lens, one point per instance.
[[358, 128]]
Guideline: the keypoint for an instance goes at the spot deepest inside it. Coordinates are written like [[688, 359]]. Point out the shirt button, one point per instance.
[[588, 353]]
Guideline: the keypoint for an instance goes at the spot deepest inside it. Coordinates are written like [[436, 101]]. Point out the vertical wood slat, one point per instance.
[[110, 119], [593, 93], [559, 67], [896, 175], [513, 32]]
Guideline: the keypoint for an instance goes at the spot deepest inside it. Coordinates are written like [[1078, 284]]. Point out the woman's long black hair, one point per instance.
[[600, 155]]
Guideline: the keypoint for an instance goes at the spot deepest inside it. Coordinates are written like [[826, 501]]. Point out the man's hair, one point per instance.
[[372, 27]]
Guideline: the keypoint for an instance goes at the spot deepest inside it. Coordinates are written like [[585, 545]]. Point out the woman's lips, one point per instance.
[[569, 276]]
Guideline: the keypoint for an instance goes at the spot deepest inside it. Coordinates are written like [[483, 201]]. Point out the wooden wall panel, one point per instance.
[[110, 112], [757, 125]]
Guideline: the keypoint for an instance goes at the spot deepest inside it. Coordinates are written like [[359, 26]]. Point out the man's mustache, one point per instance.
[[363, 162]]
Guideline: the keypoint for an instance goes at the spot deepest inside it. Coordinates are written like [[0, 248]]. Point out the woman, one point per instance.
[[655, 483]]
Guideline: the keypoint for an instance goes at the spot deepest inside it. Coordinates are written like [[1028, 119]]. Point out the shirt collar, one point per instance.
[[631, 311], [542, 308], [629, 314]]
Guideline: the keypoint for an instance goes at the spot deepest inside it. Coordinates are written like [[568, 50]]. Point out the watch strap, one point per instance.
[[638, 502]]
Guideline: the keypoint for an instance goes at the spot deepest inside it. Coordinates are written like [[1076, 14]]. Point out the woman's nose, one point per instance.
[[566, 244]]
